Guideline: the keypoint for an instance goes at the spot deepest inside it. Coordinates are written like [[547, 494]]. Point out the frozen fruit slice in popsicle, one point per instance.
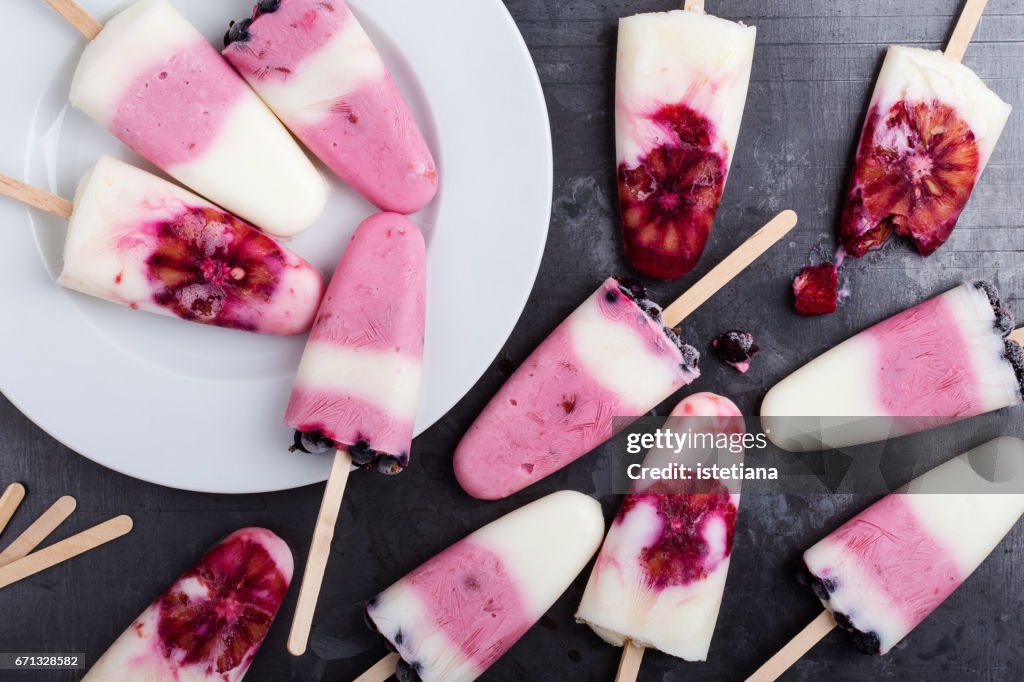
[[885, 570], [211, 622], [681, 84], [314, 65], [155, 82], [611, 357], [358, 382], [942, 360], [660, 576], [146, 243], [930, 129], [454, 616]]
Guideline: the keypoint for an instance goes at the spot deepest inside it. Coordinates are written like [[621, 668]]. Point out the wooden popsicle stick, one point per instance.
[[797, 647], [694, 5], [9, 503], [629, 663], [381, 670], [37, 198], [1017, 335], [68, 548], [319, 550], [723, 273], [77, 17], [39, 530], [965, 27]]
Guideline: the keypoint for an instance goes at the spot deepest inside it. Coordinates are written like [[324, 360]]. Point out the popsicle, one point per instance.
[[884, 571], [154, 81], [210, 623], [660, 576], [931, 127], [314, 65], [454, 616], [945, 359], [143, 242], [615, 356], [357, 386], [680, 87]]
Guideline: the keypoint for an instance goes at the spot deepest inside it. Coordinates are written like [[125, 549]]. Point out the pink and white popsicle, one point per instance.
[[154, 81], [660, 576], [140, 241], [209, 625], [611, 357], [884, 571], [945, 359], [614, 356], [357, 386], [454, 616], [314, 65]]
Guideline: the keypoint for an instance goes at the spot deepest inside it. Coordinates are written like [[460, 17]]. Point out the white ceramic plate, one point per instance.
[[200, 408]]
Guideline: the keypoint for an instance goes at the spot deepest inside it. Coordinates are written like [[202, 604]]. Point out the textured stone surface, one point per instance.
[[814, 68]]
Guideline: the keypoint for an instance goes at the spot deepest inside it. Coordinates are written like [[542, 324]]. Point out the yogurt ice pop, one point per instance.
[[357, 385], [148, 244], [314, 65], [660, 576], [885, 570], [154, 81], [611, 357], [930, 129], [454, 616], [681, 84], [942, 360], [209, 624]]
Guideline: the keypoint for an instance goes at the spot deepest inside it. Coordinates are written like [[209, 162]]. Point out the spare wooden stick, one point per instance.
[[9, 503], [68, 548], [39, 530]]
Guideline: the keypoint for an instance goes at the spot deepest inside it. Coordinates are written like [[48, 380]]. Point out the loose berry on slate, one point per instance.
[[817, 289]]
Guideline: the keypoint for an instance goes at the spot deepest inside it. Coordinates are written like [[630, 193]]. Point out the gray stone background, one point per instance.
[[814, 67]]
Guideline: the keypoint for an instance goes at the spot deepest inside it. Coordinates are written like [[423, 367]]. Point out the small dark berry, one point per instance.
[[267, 6], [865, 642], [407, 672], [366, 617], [1004, 321], [823, 588], [735, 346], [632, 288], [389, 464], [1015, 356], [990, 291], [239, 32], [313, 443], [362, 454]]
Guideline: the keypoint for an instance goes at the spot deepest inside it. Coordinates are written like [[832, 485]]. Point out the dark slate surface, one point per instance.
[[814, 68]]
